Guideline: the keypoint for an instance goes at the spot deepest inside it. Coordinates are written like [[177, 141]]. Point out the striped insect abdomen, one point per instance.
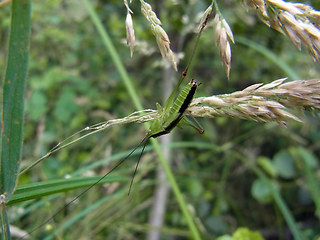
[[179, 102], [180, 105], [175, 114]]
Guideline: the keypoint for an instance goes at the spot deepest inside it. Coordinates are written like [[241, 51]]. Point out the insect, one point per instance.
[[170, 117]]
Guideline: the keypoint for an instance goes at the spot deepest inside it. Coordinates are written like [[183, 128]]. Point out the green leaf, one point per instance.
[[261, 191], [216, 224], [308, 157], [13, 96], [14, 86], [284, 164], [267, 165], [246, 234]]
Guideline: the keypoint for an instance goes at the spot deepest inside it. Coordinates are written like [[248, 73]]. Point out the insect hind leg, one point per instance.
[[136, 168]]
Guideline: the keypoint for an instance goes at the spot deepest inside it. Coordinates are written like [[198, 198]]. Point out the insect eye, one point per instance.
[[194, 83]]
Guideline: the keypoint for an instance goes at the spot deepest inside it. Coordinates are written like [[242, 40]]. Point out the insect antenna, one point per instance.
[[144, 142]]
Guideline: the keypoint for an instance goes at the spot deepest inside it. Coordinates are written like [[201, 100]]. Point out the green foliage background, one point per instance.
[[73, 83]]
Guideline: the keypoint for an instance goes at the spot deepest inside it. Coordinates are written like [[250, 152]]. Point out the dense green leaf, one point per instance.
[[261, 191], [245, 233], [284, 164]]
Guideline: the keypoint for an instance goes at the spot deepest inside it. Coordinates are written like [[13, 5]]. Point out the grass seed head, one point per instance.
[[222, 31], [228, 29], [285, 6], [263, 103], [299, 21], [130, 32], [160, 34]]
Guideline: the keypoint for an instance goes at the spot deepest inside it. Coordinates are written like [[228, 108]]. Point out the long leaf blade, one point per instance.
[[37, 190], [13, 95]]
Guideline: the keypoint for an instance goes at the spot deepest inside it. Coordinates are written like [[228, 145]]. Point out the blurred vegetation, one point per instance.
[[73, 83]]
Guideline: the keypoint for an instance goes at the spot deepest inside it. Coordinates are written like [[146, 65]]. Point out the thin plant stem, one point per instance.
[[163, 189], [133, 95], [5, 230]]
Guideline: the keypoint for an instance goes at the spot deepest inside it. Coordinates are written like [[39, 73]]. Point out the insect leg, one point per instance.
[[195, 124], [135, 170]]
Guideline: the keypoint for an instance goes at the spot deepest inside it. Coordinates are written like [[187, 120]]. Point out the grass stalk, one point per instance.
[[134, 96], [14, 85]]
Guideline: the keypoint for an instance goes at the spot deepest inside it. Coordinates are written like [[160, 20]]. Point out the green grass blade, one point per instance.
[[83, 213], [40, 189], [293, 75], [286, 213], [35, 190], [13, 104], [13, 95]]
